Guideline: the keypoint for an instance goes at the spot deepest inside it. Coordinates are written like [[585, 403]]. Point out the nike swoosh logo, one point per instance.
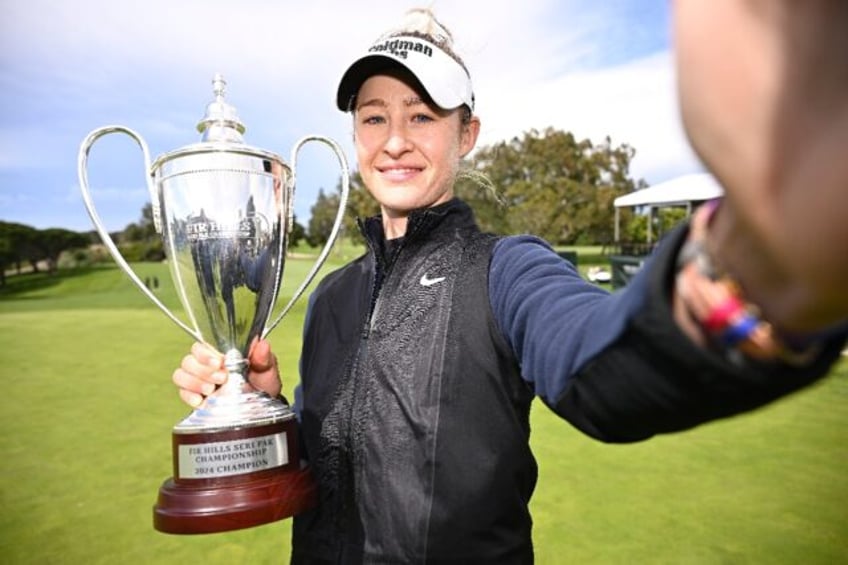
[[427, 281]]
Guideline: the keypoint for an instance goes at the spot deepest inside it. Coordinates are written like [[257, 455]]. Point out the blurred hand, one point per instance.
[[764, 101]]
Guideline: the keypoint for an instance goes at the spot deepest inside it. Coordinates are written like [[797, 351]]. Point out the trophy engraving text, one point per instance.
[[236, 457]]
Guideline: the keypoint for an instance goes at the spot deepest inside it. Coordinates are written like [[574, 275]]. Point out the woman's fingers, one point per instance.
[[191, 398], [206, 356], [261, 358], [202, 371], [264, 373], [199, 374]]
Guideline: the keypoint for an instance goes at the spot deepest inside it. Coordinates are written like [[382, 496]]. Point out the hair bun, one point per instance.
[[422, 22]]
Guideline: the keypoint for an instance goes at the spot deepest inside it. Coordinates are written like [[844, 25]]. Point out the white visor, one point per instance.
[[445, 80]]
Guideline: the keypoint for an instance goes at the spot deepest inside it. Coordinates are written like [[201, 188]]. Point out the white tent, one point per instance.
[[686, 190], [679, 191]]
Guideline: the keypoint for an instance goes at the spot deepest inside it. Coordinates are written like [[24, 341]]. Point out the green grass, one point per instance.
[[765, 487], [88, 408]]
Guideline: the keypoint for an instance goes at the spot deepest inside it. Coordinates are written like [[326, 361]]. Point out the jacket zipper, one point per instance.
[[383, 271]]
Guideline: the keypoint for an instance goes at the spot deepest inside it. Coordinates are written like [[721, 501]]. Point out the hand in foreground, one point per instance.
[[202, 372], [764, 101]]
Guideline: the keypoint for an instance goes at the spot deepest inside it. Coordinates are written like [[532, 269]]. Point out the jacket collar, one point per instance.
[[451, 215]]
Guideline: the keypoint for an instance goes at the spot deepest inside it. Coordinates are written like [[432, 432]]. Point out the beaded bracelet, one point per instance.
[[716, 302]]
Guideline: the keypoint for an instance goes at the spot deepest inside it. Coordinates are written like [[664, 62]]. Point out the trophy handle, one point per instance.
[[82, 171], [289, 223]]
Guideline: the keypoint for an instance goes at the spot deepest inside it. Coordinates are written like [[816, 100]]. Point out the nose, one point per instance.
[[398, 141]]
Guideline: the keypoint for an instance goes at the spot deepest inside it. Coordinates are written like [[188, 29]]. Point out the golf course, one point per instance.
[[87, 408]]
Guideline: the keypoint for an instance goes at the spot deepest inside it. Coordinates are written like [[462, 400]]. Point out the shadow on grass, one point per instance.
[[90, 287], [26, 283]]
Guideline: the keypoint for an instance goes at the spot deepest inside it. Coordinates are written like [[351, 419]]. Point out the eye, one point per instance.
[[373, 120], [422, 118]]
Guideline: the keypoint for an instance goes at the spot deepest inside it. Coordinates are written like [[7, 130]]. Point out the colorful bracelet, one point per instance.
[[720, 316], [716, 302]]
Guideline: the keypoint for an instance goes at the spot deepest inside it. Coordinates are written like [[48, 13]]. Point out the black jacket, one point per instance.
[[414, 414]]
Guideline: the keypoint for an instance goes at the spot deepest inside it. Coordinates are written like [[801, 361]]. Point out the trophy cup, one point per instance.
[[224, 211]]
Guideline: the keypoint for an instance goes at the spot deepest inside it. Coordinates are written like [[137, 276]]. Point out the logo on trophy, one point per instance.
[[224, 211]]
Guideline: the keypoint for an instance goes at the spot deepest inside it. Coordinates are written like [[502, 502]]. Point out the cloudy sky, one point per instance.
[[66, 68]]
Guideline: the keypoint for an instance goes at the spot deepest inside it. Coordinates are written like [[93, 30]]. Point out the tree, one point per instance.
[[360, 205], [139, 241], [19, 245], [144, 230], [53, 241], [298, 232], [490, 208], [549, 184], [663, 220], [323, 215], [7, 257]]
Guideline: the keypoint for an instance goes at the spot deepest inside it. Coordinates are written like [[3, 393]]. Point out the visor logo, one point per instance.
[[402, 47]]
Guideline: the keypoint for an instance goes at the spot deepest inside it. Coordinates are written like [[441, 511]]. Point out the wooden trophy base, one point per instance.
[[189, 504]]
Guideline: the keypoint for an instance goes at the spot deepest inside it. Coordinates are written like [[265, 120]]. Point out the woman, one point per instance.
[[421, 358]]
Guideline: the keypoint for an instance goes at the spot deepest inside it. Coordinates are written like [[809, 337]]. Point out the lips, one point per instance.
[[399, 172]]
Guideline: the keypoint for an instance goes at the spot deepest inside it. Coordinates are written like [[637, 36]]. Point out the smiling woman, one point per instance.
[[421, 359], [408, 149]]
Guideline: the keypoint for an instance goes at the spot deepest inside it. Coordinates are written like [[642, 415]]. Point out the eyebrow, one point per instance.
[[409, 101]]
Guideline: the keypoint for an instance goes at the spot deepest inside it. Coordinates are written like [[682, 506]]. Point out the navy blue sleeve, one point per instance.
[[554, 320], [617, 366]]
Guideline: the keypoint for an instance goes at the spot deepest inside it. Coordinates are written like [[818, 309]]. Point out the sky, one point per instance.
[[596, 69]]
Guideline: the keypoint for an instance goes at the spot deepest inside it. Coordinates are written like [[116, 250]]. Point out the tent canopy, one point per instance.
[[682, 190], [686, 190]]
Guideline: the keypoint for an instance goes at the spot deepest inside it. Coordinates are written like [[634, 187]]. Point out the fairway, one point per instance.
[[88, 408]]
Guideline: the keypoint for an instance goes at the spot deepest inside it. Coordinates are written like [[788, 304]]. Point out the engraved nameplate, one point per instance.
[[236, 457]]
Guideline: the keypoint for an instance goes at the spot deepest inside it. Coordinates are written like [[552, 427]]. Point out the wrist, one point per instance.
[[790, 301], [715, 307]]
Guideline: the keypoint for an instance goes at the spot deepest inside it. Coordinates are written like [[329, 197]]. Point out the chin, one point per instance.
[[400, 199], [404, 199], [401, 208]]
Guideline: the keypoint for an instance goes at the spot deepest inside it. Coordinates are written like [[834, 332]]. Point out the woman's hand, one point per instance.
[[202, 372], [264, 373], [764, 100]]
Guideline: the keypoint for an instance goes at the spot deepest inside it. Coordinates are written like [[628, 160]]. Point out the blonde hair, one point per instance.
[[421, 22]]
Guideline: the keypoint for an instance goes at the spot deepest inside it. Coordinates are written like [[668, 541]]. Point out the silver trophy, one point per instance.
[[225, 210]]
